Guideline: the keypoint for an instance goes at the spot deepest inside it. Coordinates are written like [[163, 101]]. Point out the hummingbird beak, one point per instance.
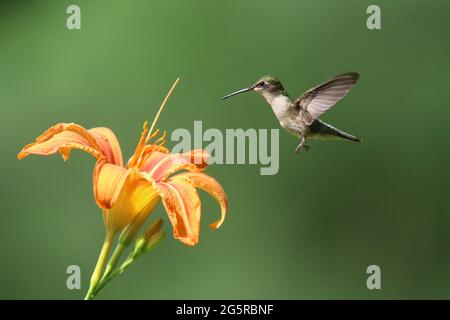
[[237, 92]]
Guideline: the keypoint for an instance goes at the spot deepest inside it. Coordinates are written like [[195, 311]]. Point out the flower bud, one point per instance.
[[154, 240], [150, 238]]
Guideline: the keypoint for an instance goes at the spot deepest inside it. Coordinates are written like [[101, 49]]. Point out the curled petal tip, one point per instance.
[[210, 185], [215, 225], [22, 154], [187, 241]]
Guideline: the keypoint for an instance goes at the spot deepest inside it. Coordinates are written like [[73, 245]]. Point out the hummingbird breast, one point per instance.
[[295, 125], [280, 105], [286, 114]]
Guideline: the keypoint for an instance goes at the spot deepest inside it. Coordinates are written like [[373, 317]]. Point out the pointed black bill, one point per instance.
[[237, 92]]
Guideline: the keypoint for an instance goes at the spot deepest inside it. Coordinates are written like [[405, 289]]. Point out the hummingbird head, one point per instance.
[[266, 86]]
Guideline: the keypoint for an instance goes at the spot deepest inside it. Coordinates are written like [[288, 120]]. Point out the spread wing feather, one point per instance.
[[318, 100]]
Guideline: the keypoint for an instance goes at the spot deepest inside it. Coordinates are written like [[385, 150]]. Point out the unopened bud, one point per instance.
[[150, 238], [154, 240], [153, 229]]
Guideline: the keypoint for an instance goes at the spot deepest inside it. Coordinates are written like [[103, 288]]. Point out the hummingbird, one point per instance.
[[300, 117]]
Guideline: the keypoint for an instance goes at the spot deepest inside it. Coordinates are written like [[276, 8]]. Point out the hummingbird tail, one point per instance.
[[326, 131]]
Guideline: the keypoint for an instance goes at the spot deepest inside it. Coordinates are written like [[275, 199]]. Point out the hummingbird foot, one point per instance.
[[302, 146]]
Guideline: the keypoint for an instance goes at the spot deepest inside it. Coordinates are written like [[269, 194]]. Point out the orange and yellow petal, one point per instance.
[[62, 137], [160, 166], [108, 182], [183, 207], [210, 185], [137, 197], [148, 150], [109, 144]]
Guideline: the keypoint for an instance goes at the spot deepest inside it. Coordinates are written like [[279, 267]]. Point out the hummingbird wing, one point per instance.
[[318, 100]]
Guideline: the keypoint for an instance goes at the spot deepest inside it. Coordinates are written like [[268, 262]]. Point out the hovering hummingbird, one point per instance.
[[300, 117]]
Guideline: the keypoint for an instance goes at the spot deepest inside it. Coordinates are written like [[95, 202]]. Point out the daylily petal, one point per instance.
[[210, 185], [153, 160], [183, 208], [148, 150], [137, 197], [160, 165], [108, 182], [109, 144], [62, 137]]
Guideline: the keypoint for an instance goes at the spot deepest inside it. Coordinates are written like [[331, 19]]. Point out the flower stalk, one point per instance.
[[144, 244], [95, 278]]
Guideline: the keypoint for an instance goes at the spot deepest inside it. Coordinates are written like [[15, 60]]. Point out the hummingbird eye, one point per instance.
[[261, 84]]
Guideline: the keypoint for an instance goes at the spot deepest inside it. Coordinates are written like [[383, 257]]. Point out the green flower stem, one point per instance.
[[118, 271], [113, 260], [111, 271], [95, 278]]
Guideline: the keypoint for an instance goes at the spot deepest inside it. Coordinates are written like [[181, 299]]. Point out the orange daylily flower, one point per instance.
[[127, 194]]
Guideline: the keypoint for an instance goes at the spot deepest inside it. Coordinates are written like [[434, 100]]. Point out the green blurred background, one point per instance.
[[308, 232]]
